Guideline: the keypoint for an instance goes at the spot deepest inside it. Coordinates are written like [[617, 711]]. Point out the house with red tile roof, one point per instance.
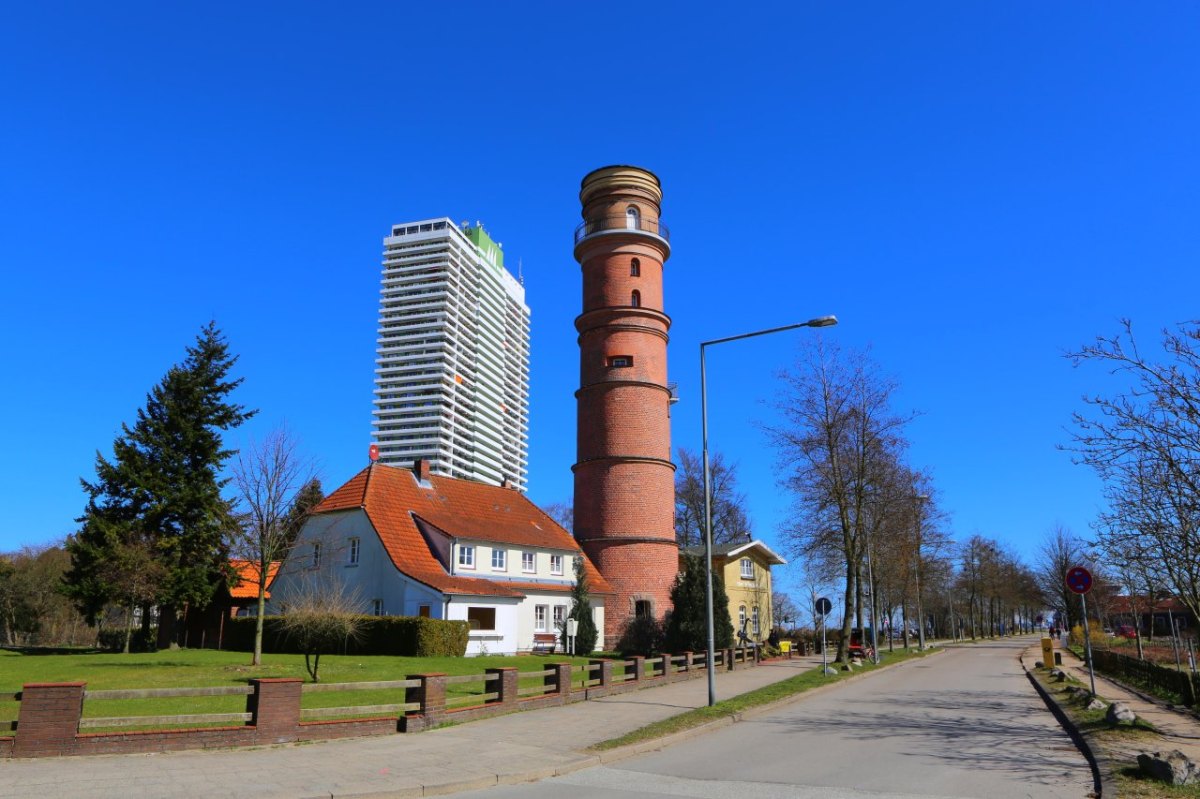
[[411, 543]]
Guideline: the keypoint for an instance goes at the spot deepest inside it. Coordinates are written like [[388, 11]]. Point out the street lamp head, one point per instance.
[[822, 321]]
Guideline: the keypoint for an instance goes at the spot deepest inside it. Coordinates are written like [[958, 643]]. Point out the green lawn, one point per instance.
[[196, 668]]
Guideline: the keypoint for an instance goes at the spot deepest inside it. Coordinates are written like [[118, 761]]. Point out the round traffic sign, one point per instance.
[[1079, 579], [824, 606], [373, 452]]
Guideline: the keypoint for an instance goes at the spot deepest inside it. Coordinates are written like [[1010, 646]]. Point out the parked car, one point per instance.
[[1125, 631]]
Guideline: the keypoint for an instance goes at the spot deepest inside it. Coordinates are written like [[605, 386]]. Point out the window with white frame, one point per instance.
[[556, 564], [529, 562], [466, 556], [560, 616], [499, 560], [754, 619], [747, 569], [741, 618], [540, 614], [316, 555], [376, 607], [352, 553]]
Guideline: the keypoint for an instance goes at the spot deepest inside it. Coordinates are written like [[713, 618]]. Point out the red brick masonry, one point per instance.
[[48, 720]]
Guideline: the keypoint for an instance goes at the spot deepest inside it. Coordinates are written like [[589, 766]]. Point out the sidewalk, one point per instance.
[[513, 748], [1180, 729]]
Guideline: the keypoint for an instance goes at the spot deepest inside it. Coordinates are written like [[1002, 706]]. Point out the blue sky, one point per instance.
[[972, 190]]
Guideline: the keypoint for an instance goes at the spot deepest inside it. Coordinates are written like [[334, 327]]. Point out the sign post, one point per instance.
[[823, 608], [1079, 581]]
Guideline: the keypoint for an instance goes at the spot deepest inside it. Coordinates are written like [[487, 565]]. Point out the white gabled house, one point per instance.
[[409, 543]]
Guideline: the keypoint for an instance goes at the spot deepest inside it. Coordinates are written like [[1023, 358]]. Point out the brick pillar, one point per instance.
[[431, 696], [48, 719], [728, 658], [560, 681], [639, 668], [275, 707], [687, 662], [507, 683], [605, 674]]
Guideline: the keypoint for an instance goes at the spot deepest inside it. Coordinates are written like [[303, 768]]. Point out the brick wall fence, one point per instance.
[[49, 720]]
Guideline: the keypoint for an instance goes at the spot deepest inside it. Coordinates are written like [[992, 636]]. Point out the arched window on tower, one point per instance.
[[632, 218], [635, 268], [635, 299]]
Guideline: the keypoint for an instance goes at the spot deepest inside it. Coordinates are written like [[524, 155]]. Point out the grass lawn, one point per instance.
[[761, 696], [196, 668]]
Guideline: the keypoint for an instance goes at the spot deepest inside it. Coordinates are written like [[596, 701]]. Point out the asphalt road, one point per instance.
[[965, 723]]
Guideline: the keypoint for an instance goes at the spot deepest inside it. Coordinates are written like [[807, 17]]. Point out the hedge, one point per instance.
[[404, 636]]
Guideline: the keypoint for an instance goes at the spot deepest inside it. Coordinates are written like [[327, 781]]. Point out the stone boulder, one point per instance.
[[1058, 675], [1119, 712], [830, 671], [1173, 768], [1096, 704]]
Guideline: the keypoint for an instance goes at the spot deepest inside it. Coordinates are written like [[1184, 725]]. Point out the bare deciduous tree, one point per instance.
[[841, 436], [730, 522], [1144, 443], [267, 475], [320, 615]]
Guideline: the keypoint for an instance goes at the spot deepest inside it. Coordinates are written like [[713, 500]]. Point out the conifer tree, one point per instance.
[[687, 625], [162, 486], [581, 611]]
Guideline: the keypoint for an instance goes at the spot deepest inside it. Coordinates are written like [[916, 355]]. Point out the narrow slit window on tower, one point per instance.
[[635, 299], [635, 268], [618, 361]]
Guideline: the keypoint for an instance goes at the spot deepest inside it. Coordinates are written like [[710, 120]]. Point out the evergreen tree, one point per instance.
[[581, 611], [687, 625], [162, 486], [307, 498]]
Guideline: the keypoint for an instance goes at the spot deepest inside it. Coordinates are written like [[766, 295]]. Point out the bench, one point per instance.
[[544, 643]]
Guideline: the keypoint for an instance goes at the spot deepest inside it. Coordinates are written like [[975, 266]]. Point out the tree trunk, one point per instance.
[[258, 625], [129, 626]]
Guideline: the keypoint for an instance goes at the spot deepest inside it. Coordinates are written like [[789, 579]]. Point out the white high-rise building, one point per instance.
[[452, 362]]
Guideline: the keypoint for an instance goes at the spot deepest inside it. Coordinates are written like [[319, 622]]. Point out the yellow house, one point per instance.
[[746, 570]]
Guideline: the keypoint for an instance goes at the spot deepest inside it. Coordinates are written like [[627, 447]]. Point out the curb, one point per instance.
[[1102, 778]]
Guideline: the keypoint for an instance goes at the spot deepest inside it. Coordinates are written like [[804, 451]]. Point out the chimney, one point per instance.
[[421, 470]]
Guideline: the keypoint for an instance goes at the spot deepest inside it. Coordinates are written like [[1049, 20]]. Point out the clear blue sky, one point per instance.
[[971, 190]]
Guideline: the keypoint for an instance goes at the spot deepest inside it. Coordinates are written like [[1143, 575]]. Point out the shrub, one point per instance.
[[402, 636], [643, 635], [113, 640]]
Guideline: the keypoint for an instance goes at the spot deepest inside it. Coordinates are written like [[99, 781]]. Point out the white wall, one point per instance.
[[373, 577], [500, 641]]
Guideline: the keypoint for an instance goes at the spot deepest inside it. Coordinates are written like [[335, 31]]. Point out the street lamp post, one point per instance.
[[821, 321]]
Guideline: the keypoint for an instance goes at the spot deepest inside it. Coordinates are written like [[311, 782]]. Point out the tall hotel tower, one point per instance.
[[624, 478], [452, 365]]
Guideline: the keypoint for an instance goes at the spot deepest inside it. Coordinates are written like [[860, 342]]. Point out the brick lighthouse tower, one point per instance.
[[624, 478]]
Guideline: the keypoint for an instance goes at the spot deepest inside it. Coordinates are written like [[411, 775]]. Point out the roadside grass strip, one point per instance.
[[1115, 746], [732, 707]]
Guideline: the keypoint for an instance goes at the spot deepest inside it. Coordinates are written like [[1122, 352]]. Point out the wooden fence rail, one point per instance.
[[50, 715]]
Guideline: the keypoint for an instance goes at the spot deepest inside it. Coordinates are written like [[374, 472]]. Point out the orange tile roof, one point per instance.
[[463, 509], [245, 583]]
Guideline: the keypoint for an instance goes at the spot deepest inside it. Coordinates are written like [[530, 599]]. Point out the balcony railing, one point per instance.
[[622, 222]]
